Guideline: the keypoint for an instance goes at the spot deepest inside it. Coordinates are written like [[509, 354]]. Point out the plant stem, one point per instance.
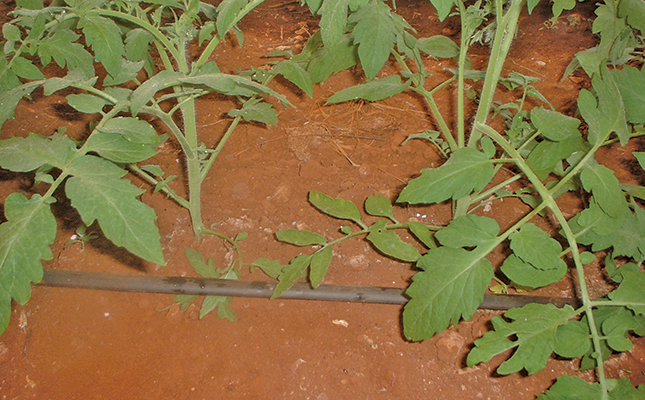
[[463, 50], [169, 192], [504, 35], [548, 200], [435, 112], [213, 155]]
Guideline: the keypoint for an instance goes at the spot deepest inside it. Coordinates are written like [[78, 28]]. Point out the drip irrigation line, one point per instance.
[[231, 288]]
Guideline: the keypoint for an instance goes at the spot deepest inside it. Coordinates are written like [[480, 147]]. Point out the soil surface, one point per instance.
[[82, 344]]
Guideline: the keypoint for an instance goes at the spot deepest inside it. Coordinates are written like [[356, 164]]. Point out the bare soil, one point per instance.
[[81, 344]]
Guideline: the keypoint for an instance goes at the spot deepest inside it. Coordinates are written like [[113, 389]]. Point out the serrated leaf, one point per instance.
[[377, 89], [604, 186], [300, 238], [290, 274], [273, 268], [631, 291], [554, 125], [104, 36], [617, 327], [65, 52], [468, 231], [333, 21], [320, 262], [573, 340], [634, 12], [534, 327], [86, 103], [337, 208], [115, 147], [227, 14], [25, 69], [631, 83], [465, 171], [137, 44], [196, 260], [451, 287], [438, 46], [379, 206], [259, 112], [572, 388], [389, 243], [128, 72], [538, 248], [210, 303], [98, 193], [295, 74], [184, 300], [133, 129], [24, 241], [525, 274], [325, 61], [27, 154], [423, 233], [74, 77], [375, 34], [547, 155], [9, 99]]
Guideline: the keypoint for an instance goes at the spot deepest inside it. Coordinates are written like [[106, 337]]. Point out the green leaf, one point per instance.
[[333, 21], [260, 112], [337, 208], [290, 274], [24, 241], [9, 99], [617, 327], [196, 260], [66, 53], [375, 34], [25, 69], [634, 12], [273, 268], [184, 300], [443, 7], [423, 233], [547, 155], [128, 72], [572, 388], [98, 193], [132, 129], [525, 274], [295, 74], [573, 340], [604, 186], [115, 147], [631, 291], [11, 32], [389, 243], [320, 262], [30, 153], [640, 157], [227, 13], [538, 248], [326, 61], [86, 103], [144, 93], [438, 46], [30, 4], [73, 78], [467, 170], [104, 36], [451, 287], [376, 90], [631, 83], [553, 125], [300, 238], [534, 326], [137, 44], [379, 206], [468, 231], [224, 310]]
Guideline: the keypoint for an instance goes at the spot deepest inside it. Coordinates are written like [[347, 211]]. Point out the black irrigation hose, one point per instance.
[[299, 291]]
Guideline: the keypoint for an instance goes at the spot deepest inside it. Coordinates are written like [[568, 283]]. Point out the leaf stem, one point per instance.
[[213, 155]]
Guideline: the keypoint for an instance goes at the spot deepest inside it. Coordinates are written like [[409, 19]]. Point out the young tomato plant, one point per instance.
[[548, 153], [124, 37]]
